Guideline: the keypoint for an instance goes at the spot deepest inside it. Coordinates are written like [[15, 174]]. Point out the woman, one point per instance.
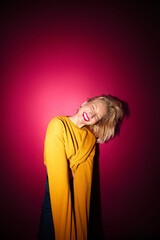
[[69, 151]]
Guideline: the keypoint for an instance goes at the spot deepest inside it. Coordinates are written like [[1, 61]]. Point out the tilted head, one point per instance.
[[108, 113]]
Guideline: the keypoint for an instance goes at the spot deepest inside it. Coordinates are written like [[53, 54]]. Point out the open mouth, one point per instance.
[[85, 116]]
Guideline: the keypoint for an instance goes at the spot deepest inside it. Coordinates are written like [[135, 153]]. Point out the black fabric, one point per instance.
[[46, 226]]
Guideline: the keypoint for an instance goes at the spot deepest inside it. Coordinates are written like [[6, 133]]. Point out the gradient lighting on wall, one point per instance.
[[52, 63]]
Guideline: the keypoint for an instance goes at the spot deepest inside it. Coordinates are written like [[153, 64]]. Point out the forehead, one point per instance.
[[101, 105], [98, 102]]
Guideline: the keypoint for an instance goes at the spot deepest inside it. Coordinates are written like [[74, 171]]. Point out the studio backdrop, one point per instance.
[[54, 57]]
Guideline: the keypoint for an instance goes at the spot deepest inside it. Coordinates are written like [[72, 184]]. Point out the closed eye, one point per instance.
[[97, 117]]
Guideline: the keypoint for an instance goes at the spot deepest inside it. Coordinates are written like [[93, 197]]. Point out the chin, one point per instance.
[[88, 124]]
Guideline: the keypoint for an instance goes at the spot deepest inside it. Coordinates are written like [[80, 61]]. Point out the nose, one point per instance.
[[91, 114]]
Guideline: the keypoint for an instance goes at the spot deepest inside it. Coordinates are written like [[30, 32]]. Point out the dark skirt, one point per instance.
[[46, 227]]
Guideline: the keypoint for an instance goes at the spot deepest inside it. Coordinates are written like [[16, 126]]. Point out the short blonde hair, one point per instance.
[[105, 128]]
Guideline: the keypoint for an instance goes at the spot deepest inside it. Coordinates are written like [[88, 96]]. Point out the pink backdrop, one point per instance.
[[53, 58]]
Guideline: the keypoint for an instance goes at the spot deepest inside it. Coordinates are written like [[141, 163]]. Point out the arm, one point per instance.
[[60, 194], [82, 193]]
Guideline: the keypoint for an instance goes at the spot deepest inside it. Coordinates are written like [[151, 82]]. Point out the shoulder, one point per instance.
[[55, 124], [56, 121]]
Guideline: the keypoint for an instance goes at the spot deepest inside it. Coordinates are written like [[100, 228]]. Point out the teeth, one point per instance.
[[85, 115]]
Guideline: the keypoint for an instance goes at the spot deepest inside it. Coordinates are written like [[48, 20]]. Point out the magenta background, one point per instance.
[[53, 58]]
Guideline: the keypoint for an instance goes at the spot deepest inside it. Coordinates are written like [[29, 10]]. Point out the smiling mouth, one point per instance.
[[85, 116]]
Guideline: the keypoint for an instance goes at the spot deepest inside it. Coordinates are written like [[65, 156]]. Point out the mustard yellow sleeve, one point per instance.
[[60, 193], [82, 193]]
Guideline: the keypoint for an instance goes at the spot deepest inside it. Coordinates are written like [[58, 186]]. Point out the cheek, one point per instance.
[[94, 121], [81, 110], [88, 108]]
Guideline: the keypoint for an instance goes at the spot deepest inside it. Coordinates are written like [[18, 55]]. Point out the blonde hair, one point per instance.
[[105, 128]]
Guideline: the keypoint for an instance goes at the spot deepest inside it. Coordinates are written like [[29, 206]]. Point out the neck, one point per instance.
[[76, 121]]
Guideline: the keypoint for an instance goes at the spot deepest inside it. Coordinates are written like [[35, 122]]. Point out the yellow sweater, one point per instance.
[[68, 145]]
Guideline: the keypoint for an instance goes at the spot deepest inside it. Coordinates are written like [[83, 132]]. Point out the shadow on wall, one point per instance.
[[126, 115], [95, 222]]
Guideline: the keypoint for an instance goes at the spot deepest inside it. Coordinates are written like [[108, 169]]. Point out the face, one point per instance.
[[91, 112]]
